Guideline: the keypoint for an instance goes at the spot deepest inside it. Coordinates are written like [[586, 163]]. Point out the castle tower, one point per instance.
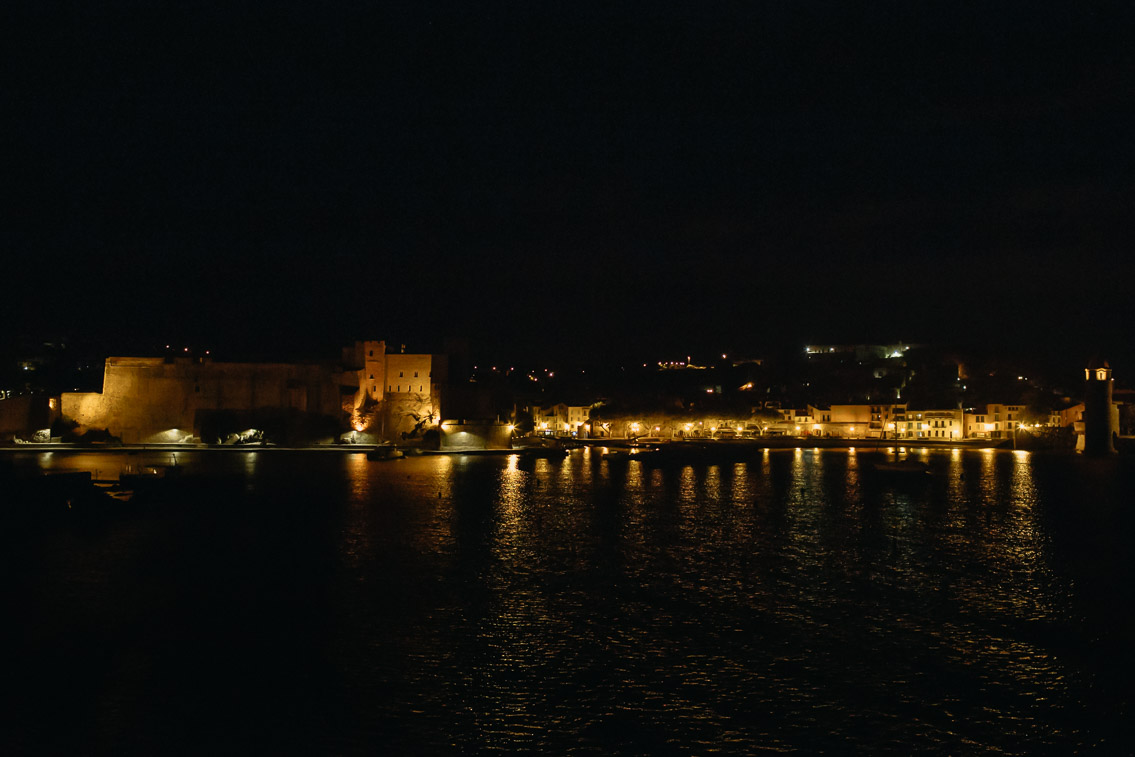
[[1099, 425], [373, 376]]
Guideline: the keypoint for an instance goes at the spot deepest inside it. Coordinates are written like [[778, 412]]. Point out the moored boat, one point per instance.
[[384, 453], [902, 466], [543, 453]]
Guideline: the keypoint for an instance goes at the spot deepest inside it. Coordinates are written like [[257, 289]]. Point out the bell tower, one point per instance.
[[1099, 426]]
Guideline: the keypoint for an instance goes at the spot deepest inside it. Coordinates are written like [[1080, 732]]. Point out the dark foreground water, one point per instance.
[[801, 600]]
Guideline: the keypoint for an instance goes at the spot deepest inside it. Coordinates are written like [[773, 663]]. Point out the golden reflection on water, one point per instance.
[[357, 476], [742, 489], [713, 483], [591, 557], [687, 486]]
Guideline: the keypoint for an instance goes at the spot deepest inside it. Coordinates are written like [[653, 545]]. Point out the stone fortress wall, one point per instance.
[[157, 400], [154, 400]]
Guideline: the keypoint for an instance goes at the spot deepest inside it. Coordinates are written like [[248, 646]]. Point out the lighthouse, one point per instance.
[[1099, 423]]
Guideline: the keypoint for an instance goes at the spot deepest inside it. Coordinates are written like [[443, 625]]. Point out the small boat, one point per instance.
[[384, 453], [142, 475], [903, 466], [543, 453]]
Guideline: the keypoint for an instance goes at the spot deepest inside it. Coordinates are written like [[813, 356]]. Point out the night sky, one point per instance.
[[549, 180]]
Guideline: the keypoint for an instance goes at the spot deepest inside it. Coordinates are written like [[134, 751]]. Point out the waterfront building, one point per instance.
[[948, 424], [994, 421], [849, 421], [561, 419]]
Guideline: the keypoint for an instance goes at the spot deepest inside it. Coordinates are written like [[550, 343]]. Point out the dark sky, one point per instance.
[[553, 180]]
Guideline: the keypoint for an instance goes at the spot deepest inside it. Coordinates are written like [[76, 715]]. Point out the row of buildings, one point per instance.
[[895, 420], [372, 394], [858, 421], [861, 421]]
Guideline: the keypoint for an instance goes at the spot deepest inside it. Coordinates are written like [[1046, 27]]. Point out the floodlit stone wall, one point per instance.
[[25, 414], [409, 374], [152, 399]]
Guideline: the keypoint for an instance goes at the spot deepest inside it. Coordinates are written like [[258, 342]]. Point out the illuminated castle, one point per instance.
[[173, 399]]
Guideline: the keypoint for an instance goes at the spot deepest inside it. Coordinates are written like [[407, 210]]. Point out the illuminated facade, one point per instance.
[[884, 421], [936, 424], [994, 421], [562, 420], [176, 399]]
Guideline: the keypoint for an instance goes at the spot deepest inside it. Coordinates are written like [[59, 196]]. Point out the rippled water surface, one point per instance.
[[796, 600]]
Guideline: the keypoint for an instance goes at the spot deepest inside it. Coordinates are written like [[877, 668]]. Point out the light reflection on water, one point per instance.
[[797, 599]]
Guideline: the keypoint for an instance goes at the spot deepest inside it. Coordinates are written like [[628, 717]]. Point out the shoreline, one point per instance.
[[701, 446]]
